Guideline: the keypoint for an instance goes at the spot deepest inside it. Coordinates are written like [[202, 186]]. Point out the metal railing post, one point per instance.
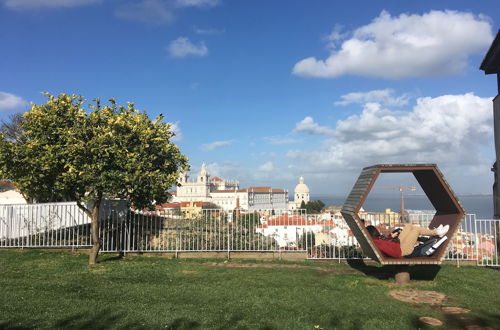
[[476, 241]]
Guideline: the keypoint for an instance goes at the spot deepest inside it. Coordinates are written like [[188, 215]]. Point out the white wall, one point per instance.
[[11, 197]]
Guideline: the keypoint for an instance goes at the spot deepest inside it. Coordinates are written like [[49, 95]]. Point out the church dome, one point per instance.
[[301, 188]]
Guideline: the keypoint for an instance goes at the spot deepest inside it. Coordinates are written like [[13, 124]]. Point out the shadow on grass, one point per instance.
[[102, 320], [341, 322], [463, 321], [119, 256], [183, 324], [108, 320], [112, 320], [417, 272], [235, 322], [10, 325]]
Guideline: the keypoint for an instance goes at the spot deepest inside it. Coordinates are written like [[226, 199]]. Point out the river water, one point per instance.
[[481, 205]]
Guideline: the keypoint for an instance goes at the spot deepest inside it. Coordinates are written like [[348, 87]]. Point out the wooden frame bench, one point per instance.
[[449, 211]]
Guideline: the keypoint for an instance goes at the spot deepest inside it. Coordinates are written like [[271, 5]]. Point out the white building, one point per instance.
[[11, 197], [301, 194], [227, 194], [194, 191], [287, 229], [253, 198], [199, 190], [227, 199], [264, 198]]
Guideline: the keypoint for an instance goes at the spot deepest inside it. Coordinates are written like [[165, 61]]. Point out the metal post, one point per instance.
[[476, 242]]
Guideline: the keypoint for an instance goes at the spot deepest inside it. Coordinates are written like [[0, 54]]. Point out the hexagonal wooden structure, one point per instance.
[[449, 211]]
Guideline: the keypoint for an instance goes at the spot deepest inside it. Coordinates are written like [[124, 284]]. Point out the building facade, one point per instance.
[[227, 195]]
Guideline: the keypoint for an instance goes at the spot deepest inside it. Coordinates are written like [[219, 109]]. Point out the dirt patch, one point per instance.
[[418, 296], [189, 272], [454, 310], [430, 321], [332, 270]]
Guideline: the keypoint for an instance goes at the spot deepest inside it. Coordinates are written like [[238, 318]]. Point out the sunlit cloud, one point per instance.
[[449, 129], [409, 45], [309, 126], [46, 4], [216, 144], [10, 101], [183, 47], [381, 96]]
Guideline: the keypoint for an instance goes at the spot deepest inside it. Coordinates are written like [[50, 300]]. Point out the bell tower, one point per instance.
[[203, 175]]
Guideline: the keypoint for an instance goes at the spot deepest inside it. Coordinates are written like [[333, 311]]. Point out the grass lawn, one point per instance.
[[55, 289]]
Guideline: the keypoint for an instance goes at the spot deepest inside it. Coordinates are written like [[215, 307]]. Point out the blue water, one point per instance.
[[481, 205]]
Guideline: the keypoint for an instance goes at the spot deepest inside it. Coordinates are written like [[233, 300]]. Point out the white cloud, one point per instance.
[[336, 36], [308, 125], [147, 11], [216, 144], [197, 3], [226, 170], [449, 129], [432, 44], [210, 31], [176, 129], [182, 47], [266, 174], [381, 96], [40, 4], [266, 167], [11, 102], [157, 11]]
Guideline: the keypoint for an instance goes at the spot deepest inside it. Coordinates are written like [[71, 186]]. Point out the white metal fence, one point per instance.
[[44, 225], [321, 236]]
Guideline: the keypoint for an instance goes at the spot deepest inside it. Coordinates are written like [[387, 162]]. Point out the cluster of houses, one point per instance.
[[330, 229]]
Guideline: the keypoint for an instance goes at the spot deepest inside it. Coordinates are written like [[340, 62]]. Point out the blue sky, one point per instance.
[[267, 91]]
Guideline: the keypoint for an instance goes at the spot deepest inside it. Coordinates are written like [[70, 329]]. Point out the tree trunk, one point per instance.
[[94, 227]]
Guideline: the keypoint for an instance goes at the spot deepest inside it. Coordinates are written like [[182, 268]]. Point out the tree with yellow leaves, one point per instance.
[[65, 153]]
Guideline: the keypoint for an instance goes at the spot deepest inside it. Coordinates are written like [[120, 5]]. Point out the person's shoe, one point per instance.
[[441, 230]]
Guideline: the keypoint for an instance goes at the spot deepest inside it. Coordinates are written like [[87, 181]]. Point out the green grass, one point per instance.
[[54, 289]]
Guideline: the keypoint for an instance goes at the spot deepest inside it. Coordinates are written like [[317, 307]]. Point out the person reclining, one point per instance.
[[407, 239]]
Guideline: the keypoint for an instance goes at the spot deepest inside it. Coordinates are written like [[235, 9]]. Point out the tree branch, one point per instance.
[[84, 209]]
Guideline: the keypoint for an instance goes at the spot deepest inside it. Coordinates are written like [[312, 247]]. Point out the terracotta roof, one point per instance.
[[216, 178], [7, 185], [195, 204], [295, 220], [167, 206]]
